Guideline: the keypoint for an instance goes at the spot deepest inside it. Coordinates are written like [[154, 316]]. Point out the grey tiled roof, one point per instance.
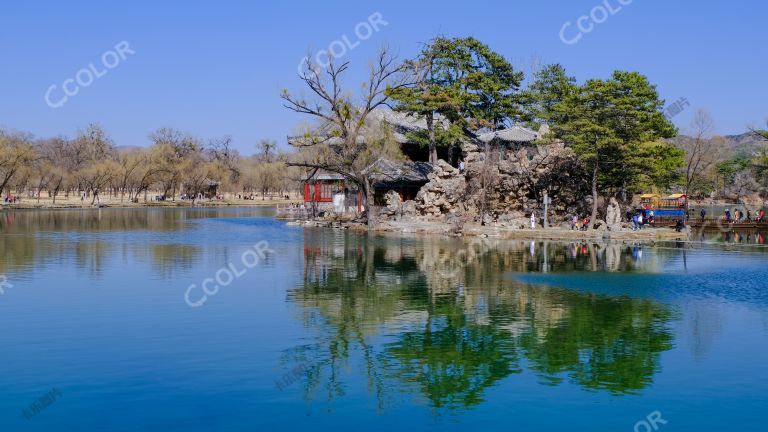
[[513, 134], [387, 171]]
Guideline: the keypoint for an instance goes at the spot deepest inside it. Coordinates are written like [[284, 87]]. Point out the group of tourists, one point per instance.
[[637, 221], [579, 224], [740, 216], [10, 199]]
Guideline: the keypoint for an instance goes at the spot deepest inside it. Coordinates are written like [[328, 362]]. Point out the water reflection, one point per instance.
[[383, 303], [29, 238]]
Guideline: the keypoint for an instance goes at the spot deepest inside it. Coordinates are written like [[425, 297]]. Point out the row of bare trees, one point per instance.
[[175, 164], [715, 167]]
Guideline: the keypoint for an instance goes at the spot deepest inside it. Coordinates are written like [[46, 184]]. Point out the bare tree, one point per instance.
[[744, 184], [702, 151], [266, 147], [197, 173], [487, 181], [343, 148], [96, 176], [56, 154], [129, 164], [222, 154], [16, 153]]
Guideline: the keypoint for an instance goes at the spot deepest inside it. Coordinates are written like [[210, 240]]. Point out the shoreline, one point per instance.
[[153, 204], [417, 227], [502, 233]]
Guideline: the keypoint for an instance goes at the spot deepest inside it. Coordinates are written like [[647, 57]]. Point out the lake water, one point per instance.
[[321, 329]]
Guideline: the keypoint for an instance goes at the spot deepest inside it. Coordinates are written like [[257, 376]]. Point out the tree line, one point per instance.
[[175, 164]]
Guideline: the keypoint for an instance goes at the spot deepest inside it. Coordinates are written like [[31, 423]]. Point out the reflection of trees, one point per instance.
[[349, 289], [167, 258], [450, 344], [452, 359], [31, 236], [602, 343], [703, 322]]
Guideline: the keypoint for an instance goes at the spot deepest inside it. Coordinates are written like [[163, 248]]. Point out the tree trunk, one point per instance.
[[593, 218], [624, 185], [369, 207], [432, 141]]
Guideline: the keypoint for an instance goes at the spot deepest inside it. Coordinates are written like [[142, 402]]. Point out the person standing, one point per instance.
[[702, 213], [533, 220], [640, 220]]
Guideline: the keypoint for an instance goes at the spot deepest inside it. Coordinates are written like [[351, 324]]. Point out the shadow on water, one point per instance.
[[398, 310]]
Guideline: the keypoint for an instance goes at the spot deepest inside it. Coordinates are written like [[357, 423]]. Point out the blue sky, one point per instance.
[[217, 68]]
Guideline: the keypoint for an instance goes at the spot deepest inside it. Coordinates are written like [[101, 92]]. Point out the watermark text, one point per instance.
[[210, 286]]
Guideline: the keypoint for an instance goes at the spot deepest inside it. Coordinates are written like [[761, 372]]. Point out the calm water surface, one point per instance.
[[335, 330]]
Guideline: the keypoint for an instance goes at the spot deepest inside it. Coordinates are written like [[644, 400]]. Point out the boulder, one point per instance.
[[613, 215], [394, 203]]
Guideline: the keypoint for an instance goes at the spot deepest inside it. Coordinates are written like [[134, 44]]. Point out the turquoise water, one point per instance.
[[327, 329]]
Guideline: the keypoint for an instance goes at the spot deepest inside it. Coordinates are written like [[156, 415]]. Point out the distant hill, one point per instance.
[[746, 143]]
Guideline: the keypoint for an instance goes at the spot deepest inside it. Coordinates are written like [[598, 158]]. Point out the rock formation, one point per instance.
[[503, 185], [613, 215], [443, 192]]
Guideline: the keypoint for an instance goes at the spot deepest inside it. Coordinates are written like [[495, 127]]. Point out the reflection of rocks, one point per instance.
[[612, 255]]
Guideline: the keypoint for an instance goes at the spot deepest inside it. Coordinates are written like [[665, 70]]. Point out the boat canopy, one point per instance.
[[675, 196]]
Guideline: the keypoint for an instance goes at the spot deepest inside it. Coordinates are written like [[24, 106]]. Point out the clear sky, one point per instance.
[[216, 68]]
